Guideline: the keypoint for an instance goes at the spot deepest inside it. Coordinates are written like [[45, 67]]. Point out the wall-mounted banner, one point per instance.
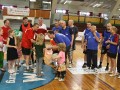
[[18, 11]]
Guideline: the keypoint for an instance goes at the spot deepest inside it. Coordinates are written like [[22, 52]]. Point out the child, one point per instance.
[[39, 49], [112, 49], [1, 50], [92, 40], [12, 54], [61, 70], [18, 50]]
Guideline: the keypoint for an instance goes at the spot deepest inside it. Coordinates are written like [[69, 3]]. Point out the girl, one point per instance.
[[39, 47], [61, 70], [112, 49], [12, 54], [1, 50]]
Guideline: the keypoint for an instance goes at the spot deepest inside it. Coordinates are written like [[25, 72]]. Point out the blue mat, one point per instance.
[[25, 81]]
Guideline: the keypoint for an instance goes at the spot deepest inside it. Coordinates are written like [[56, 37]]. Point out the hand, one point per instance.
[[108, 46], [15, 47], [108, 41]]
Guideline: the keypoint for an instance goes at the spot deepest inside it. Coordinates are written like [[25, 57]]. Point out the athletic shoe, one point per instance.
[[112, 75], [107, 68], [84, 65], [95, 70], [61, 79], [56, 78], [70, 65], [119, 76], [29, 70], [100, 66]]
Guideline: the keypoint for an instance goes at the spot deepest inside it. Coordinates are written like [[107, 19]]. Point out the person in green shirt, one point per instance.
[[39, 50]]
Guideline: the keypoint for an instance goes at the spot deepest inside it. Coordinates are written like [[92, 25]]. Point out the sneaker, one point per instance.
[[112, 75], [100, 66], [39, 75], [29, 70], [56, 78], [61, 79], [70, 65], [84, 65], [107, 68], [119, 76], [95, 70]]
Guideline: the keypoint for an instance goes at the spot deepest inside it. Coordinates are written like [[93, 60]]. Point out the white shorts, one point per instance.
[[5, 48]]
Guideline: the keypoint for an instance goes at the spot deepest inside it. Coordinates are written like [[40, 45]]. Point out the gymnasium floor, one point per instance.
[[83, 81]]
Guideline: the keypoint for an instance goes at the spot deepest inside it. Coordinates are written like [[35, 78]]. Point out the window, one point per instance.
[[84, 13], [61, 11], [105, 16]]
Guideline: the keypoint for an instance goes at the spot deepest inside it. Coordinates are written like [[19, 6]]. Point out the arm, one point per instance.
[[96, 37]]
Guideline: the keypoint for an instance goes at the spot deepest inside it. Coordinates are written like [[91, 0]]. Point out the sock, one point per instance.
[[27, 67], [85, 62]]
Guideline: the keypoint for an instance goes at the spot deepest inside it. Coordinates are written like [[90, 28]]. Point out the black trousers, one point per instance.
[[118, 63], [92, 57]]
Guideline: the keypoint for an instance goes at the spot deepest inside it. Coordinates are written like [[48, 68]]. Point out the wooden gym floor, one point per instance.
[[83, 81]]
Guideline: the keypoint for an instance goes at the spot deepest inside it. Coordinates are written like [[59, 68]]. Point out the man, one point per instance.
[[86, 31], [42, 27], [5, 29], [27, 41], [92, 40], [105, 36], [74, 30], [60, 38], [56, 28], [67, 31]]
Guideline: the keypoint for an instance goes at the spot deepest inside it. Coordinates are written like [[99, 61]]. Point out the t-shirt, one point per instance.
[[43, 27], [23, 27], [86, 31], [5, 33], [57, 28], [62, 57], [67, 32], [92, 44], [106, 36], [113, 48], [39, 50], [26, 40], [75, 31], [60, 38], [1, 43]]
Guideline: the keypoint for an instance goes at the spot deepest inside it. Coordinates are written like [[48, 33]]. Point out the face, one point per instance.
[[7, 23], [70, 23], [40, 21], [50, 36], [88, 25], [36, 27], [93, 28], [108, 26], [25, 21], [63, 24], [56, 24], [1, 32], [13, 33]]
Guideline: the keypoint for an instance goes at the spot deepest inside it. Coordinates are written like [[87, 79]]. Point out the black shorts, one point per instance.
[[25, 51], [104, 50], [111, 55]]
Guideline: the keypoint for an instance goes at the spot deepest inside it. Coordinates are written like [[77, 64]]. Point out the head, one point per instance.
[[40, 39], [11, 32], [63, 24], [108, 26], [1, 31], [89, 24], [18, 39], [51, 34], [70, 22], [62, 47], [25, 20], [60, 22], [113, 30], [35, 26], [93, 28], [40, 20], [7, 22], [56, 23]]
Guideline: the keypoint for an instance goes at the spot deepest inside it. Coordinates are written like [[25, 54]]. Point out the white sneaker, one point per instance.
[[119, 76], [56, 78], [70, 65], [96, 70], [61, 79]]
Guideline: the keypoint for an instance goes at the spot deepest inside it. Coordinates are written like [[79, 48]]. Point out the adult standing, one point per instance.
[[86, 31], [105, 36], [27, 40], [67, 31]]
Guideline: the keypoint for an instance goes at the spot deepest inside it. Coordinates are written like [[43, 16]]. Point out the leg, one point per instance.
[[1, 59], [107, 67], [94, 58], [37, 66], [27, 61], [118, 63], [40, 64], [89, 57], [85, 59]]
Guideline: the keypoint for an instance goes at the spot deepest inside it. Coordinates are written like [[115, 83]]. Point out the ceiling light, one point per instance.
[[32, 0], [97, 5], [46, 2], [67, 2]]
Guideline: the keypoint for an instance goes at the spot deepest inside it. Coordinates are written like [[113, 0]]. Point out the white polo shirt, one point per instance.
[[43, 26]]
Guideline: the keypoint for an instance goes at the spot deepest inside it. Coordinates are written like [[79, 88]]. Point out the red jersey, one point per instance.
[[25, 28], [5, 33], [40, 30], [26, 39]]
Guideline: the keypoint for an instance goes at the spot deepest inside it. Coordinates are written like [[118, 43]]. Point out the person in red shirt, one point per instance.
[[27, 40]]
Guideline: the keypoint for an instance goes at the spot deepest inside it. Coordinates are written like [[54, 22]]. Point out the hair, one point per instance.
[[18, 40], [72, 21], [62, 47], [5, 21], [35, 24], [10, 31], [40, 39], [25, 18], [51, 32], [114, 29]]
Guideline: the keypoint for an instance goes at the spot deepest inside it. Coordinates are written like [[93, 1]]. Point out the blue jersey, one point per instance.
[[113, 48], [106, 36], [57, 28], [86, 33], [60, 38], [67, 32], [92, 44], [119, 46]]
